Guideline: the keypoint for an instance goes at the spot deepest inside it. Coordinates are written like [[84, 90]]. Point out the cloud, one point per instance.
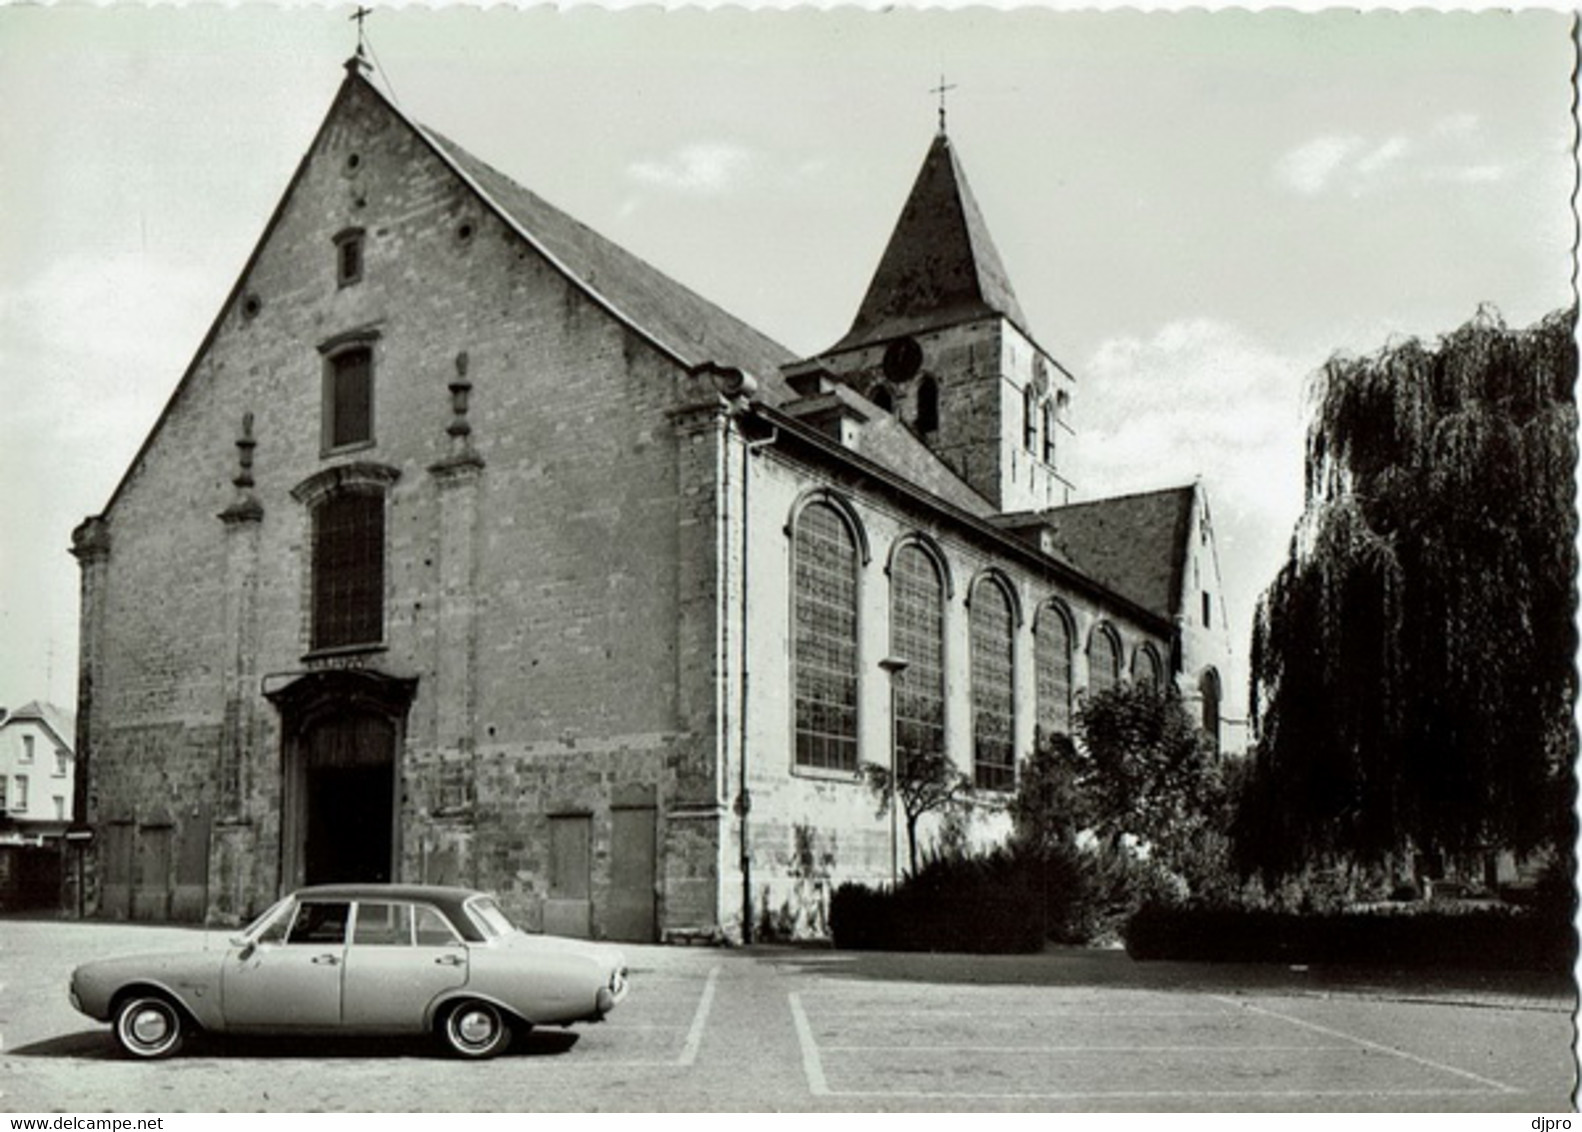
[[1310, 168], [1201, 398], [1452, 149], [701, 169]]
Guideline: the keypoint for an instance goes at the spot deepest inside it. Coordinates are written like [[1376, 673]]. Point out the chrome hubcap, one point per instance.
[[475, 1027], [150, 1026]]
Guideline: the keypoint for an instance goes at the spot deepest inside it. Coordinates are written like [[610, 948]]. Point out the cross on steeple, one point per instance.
[[940, 90], [360, 60]]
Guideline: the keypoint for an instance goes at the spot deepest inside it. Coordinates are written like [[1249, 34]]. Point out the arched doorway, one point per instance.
[[340, 769]]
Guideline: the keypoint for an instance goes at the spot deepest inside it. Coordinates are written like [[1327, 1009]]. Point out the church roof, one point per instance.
[[1134, 544], [940, 267], [674, 317]]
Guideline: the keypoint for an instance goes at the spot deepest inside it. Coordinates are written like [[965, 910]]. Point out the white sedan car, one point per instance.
[[360, 959]]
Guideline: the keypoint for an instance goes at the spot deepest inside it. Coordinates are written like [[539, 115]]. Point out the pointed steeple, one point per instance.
[[940, 267]]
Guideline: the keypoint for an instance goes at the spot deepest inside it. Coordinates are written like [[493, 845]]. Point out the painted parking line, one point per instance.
[[1377, 1047], [818, 1084], [1085, 1049], [689, 1048], [689, 1052], [812, 1064]]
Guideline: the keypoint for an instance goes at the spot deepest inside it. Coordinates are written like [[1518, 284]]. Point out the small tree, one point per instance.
[[1048, 809], [926, 782]]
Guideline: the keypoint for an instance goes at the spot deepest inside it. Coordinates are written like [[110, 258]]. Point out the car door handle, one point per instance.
[[326, 960], [449, 960]]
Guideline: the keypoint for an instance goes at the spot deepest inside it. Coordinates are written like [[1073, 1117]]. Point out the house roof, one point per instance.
[[1134, 544], [60, 722], [940, 267]]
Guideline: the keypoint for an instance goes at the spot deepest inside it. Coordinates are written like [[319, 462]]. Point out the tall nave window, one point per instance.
[[825, 639], [917, 636], [1052, 662], [1104, 660], [993, 696]]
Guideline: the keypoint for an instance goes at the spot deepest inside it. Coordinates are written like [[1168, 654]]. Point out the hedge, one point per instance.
[[1504, 938]]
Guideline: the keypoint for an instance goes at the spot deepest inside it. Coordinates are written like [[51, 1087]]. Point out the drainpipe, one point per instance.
[[744, 800]]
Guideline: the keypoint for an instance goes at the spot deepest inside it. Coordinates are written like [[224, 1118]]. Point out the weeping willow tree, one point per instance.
[[1413, 662]]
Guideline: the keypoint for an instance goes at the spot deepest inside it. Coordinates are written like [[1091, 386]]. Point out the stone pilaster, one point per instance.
[[458, 482], [697, 811], [234, 836], [90, 545]]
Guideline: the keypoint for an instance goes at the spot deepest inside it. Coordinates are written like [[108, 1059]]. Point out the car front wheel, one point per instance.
[[475, 1029], [150, 1026]]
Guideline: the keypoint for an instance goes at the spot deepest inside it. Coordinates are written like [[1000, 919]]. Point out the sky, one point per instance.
[[1195, 209]]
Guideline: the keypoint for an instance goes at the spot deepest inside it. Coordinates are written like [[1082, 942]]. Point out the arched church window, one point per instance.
[[1052, 663], [1146, 669], [1209, 689], [928, 405], [1104, 660], [883, 398], [917, 636], [993, 698], [1030, 419], [348, 569], [1049, 433], [824, 552]]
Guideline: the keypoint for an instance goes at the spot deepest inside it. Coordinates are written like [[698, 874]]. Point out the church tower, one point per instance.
[[941, 342]]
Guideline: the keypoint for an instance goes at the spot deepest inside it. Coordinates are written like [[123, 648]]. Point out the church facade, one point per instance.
[[472, 549]]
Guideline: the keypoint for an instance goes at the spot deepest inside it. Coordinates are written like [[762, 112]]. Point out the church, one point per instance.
[[472, 549]]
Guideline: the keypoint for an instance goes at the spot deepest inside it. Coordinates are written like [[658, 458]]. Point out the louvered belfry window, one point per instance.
[[348, 570], [993, 698], [917, 636], [825, 640]]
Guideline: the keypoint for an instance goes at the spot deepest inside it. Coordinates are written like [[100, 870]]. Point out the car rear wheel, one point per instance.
[[150, 1026], [475, 1029]]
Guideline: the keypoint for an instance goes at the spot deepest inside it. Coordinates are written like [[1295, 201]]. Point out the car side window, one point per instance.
[[433, 930], [319, 922], [383, 925]]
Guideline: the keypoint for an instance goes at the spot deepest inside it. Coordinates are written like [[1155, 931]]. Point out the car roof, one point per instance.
[[438, 893]]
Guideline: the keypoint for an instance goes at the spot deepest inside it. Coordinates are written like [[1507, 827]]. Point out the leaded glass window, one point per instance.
[[1052, 662], [825, 641], [1104, 661], [993, 703], [917, 636], [1146, 670], [348, 569]]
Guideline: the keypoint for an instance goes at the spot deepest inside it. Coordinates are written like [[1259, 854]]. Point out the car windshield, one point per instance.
[[490, 920], [257, 926]]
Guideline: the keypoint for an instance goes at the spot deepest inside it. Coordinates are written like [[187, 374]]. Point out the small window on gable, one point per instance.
[[1208, 610], [349, 256], [348, 398]]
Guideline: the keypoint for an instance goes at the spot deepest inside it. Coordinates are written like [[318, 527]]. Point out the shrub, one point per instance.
[[987, 903]]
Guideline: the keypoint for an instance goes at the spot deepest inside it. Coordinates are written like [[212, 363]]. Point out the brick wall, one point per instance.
[[558, 630]]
